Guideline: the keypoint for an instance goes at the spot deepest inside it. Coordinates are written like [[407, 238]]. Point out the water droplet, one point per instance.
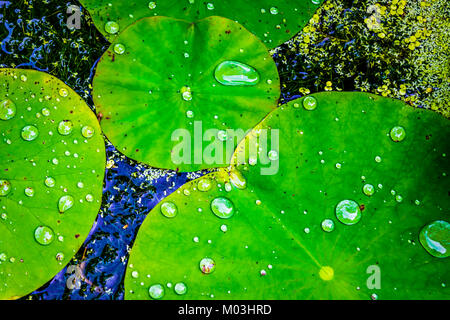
[[65, 127], [368, 189], [135, 274], [204, 184], [29, 133], [112, 27], [63, 92], [156, 291], [222, 207], [49, 182], [273, 155], [224, 228], [378, 159], [309, 103], [5, 187], [398, 198], [119, 48], [169, 209], [348, 212], [29, 192], [222, 135], [190, 114], [45, 112], [180, 288], [87, 131], [7, 109], [237, 179], [435, 238], [398, 134], [89, 197], [65, 203], [327, 225], [23, 78], [59, 256], [186, 93], [315, 1], [274, 10], [152, 5], [233, 73], [207, 265], [210, 6], [44, 235]]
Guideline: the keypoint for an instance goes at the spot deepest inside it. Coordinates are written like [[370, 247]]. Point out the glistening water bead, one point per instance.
[[348, 212], [169, 209], [398, 134], [112, 27], [180, 288], [368, 189], [119, 48], [234, 73], [207, 265], [309, 103], [7, 109], [204, 184], [156, 291], [222, 207], [65, 203], [87, 132], [29, 133], [65, 127], [44, 235], [435, 238], [5, 187], [327, 225]]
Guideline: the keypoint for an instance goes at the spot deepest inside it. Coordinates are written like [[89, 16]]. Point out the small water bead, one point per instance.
[[273, 155], [398, 134], [87, 132], [29, 192], [398, 198], [237, 179], [309, 103], [49, 182], [222, 207], [207, 265], [89, 197], [348, 212], [180, 288], [169, 209], [5, 187], [135, 274], [224, 228], [45, 112], [368, 189], [63, 92], [59, 256], [65, 127], [190, 114], [274, 10], [327, 225], [23, 78], [435, 238], [186, 94], [65, 203], [378, 159], [80, 185], [29, 133], [44, 235], [234, 73], [112, 27], [222, 135], [210, 6], [7, 109], [119, 48], [156, 291], [204, 184], [326, 273], [3, 257]]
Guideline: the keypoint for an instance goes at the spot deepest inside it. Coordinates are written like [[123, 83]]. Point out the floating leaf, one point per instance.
[[285, 239], [272, 21], [162, 91], [44, 215]]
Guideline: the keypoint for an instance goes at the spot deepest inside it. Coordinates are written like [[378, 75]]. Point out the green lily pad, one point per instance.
[[162, 90], [273, 22], [51, 178], [292, 230]]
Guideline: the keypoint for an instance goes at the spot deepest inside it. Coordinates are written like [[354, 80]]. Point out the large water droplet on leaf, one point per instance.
[[65, 127], [112, 27], [435, 238], [156, 291], [233, 73], [398, 134], [222, 207], [169, 209], [309, 103], [87, 131], [29, 133], [207, 265], [348, 212], [7, 109], [65, 203], [204, 184], [44, 235]]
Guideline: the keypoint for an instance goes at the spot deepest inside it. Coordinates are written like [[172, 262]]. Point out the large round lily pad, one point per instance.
[[307, 230], [274, 22], [51, 173], [166, 86]]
